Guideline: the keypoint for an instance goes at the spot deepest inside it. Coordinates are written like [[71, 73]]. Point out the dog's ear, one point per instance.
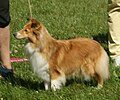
[[35, 24]]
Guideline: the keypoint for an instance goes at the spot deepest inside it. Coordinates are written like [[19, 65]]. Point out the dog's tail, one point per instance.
[[102, 67]]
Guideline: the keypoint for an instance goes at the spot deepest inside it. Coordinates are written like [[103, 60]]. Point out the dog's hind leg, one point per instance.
[[102, 69], [100, 81]]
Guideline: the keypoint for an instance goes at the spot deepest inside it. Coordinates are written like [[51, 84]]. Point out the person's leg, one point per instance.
[[6, 70], [114, 31], [5, 47]]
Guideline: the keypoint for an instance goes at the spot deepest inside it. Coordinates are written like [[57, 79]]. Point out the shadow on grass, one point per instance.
[[36, 85], [91, 83], [28, 83], [102, 39]]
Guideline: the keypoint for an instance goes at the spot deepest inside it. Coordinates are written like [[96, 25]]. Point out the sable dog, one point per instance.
[[56, 60]]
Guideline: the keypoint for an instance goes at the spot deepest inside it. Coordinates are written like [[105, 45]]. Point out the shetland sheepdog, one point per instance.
[[56, 60]]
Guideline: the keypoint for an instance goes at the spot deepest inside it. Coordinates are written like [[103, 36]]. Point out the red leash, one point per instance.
[[18, 59]]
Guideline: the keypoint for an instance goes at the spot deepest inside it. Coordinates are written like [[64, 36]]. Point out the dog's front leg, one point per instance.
[[58, 83], [46, 85], [55, 84]]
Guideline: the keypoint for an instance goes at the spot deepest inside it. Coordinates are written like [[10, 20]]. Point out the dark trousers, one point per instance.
[[4, 13]]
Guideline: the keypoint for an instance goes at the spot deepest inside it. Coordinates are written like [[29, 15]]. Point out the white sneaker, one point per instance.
[[117, 61]]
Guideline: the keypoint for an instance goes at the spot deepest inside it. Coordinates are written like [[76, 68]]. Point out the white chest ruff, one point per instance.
[[39, 64]]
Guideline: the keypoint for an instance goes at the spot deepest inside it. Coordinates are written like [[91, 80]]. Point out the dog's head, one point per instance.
[[30, 31]]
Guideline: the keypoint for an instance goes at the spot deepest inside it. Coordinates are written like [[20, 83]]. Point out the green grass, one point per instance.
[[64, 19]]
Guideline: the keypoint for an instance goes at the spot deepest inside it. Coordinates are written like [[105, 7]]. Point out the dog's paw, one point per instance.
[[55, 84], [99, 86]]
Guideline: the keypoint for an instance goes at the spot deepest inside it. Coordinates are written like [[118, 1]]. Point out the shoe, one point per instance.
[[7, 74], [117, 61]]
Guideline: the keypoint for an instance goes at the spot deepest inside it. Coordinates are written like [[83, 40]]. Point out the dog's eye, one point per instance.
[[25, 30]]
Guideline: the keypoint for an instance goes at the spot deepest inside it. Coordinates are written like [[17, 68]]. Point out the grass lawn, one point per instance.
[[64, 19]]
